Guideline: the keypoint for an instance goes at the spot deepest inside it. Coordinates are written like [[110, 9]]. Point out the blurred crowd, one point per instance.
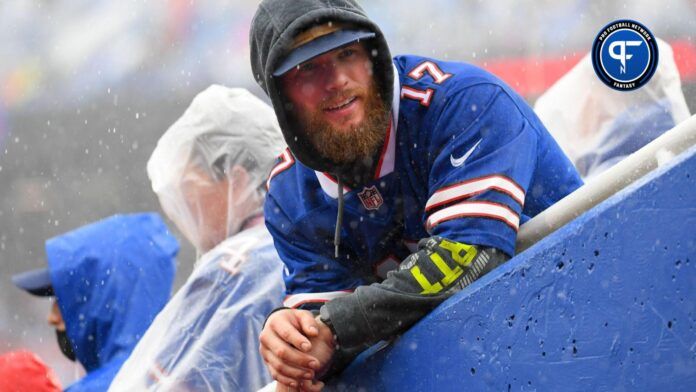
[[68, 51]]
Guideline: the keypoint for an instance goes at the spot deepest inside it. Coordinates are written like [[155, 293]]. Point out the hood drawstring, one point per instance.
[[339, 217]]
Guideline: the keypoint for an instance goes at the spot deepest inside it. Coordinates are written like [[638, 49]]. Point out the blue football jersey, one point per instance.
[[465, 158]]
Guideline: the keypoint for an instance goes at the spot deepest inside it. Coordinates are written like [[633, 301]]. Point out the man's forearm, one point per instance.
[[424, 280]]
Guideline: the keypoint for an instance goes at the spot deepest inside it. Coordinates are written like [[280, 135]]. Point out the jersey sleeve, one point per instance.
[[311, 277], [422, 282], [483, 157]]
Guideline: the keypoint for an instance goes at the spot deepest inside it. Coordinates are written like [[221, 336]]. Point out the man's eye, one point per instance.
[[307, 67], [347, 53]]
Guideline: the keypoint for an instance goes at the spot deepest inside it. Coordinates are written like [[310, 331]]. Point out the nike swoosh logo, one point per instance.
[[456, 162]]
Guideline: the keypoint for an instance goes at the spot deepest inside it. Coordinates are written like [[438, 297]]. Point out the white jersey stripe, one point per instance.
[[285, 163], [386, 160], [329, 185], [297, 300], [473, 187], [396, 99], [475, 209], [389, 156]]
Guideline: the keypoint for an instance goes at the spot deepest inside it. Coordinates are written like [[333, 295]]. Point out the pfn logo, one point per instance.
[[624, 55], [621, 55]]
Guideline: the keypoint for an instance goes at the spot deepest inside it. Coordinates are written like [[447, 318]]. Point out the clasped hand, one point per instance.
[[297, 348]]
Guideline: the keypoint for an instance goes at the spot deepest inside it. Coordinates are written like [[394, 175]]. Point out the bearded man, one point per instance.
[[420, 170]]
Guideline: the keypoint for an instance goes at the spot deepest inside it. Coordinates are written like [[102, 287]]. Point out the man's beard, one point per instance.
[[66, 346], [350, 145]]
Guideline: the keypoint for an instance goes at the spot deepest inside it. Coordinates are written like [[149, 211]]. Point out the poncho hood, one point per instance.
[[111, 278]]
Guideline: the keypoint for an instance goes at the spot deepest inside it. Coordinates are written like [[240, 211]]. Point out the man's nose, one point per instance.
[[336, 77], [53, 319]]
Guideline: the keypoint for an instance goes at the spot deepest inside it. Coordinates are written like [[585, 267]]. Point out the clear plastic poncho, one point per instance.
[[229, 137], [206, 338], [209, 169], [597, 126]]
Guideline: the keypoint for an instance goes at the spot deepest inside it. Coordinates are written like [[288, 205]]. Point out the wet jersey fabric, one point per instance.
[[110, 279], [206, 338], [465, 158]]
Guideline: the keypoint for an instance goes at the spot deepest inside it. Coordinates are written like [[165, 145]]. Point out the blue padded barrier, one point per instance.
[[606, 303]]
